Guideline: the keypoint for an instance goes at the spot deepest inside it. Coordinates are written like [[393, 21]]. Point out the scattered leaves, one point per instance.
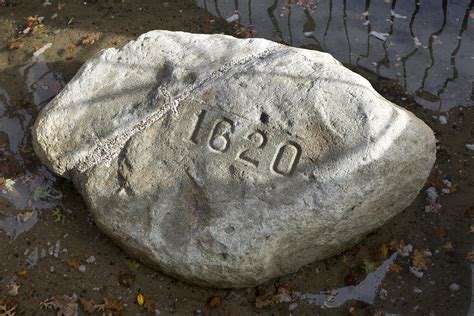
[[420, 260], [132, 264], [33, 23], [64, 304], [282, 295], [368, 266], [244, 31], [91, 38], [215, 302], [395, 268]]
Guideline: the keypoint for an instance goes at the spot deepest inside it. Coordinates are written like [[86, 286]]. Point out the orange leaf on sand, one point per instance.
[[88, 305], [215, 302], [282, 295], [16, 45], [395, 268], [91, 38], [420, 260]]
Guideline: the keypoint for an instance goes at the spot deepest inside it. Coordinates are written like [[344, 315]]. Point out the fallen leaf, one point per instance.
[[368, 266], [74, 262], [215, 302], [88, 305], [112, 305], [395, 268], [91, 38], [382, 252], [132, 264], [420, 260], [16, 45], [7, 308], [22, 273], [140, 299], [282, 295]]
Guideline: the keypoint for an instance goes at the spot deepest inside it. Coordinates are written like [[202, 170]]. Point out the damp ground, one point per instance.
[[418, 55]]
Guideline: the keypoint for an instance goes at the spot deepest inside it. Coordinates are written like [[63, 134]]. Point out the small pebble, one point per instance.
[[91, 259], [82, 268], [454, 287], [417, 290]]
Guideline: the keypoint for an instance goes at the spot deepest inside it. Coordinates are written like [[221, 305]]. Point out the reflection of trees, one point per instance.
[[289, 32]]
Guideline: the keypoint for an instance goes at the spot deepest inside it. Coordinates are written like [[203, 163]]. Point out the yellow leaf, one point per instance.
[[395, 268], [140, 299]]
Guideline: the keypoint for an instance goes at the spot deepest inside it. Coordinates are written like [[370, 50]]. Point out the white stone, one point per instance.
[[227, 162]]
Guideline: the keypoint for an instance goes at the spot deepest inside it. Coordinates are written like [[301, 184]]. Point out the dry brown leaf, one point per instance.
[[395, 268], [382, 252], [113, 305], [420, 260], [74, 262], [22, 273], [16, 45], [215, 302], [91, 38], [88, 305], [282, 295]]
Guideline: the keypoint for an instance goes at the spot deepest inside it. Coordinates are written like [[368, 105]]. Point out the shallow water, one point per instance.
[[427, 46], [420, 56]]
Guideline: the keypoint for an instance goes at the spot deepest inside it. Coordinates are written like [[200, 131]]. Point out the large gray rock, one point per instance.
[[227, 162]]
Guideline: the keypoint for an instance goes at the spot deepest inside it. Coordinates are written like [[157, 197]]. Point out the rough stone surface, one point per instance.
[[227, 162]]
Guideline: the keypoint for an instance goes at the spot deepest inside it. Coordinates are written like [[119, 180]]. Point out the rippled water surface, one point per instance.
[[428, 46]]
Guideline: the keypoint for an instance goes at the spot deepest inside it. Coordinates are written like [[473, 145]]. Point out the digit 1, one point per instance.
[[200, 119]]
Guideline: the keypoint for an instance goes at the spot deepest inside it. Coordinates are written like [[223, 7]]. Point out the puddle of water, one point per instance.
[[365, 291], [426, 46], [40, 81], [34, 189]]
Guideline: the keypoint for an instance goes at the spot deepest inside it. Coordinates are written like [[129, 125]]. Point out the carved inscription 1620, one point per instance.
[[285, 158]]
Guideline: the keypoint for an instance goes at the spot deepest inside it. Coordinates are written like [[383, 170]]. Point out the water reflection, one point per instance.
[[429, 45], [28, 187]]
